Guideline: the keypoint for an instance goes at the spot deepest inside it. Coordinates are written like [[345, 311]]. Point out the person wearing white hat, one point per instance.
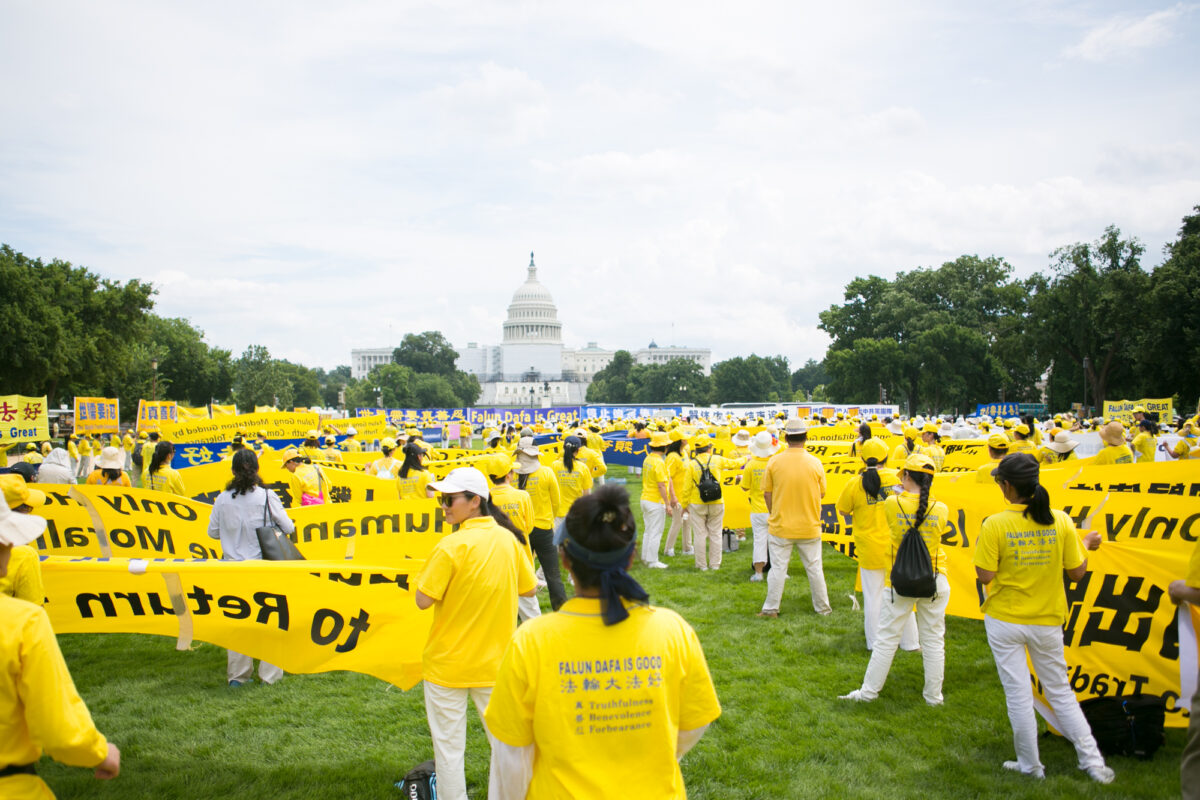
[[762, 447], [40, 710], [471, 579], [1060, 448], [793, 486], [542, 484], [109, 469], [1115, 451], [350, 444]]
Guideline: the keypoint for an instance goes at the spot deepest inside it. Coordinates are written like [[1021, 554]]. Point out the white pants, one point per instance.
[[677, 526], [873, 591], [446, 710], [654, 519], [528, 608], [241, 668], [931, 626], [781, 556], [706, 529], [758, 524], [1044, 643]]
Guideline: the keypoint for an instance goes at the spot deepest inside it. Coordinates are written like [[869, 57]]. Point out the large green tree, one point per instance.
[[679, 380], [388, 385], [1168, 352], [260, 380], [189, 370], [426, 352], [751, 379], [611, 384]]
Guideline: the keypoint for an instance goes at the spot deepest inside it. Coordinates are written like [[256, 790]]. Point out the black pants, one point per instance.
[[542, 541]]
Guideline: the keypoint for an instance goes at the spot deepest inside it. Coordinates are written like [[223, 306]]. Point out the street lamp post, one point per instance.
[[531, 393], [1087, 363], [154, 379]]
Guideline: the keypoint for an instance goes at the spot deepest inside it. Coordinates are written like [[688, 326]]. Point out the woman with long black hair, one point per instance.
[[1020, 557], [243, 507], [542, 747], [913, 510], [413, 479], [574, 477], [160, 476]]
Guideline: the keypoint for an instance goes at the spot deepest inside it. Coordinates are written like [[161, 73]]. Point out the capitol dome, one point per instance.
[[532, 315]]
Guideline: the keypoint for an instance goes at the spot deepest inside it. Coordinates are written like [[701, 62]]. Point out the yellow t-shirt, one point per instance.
[[1028, 559], [331, 453], [1183, 447], [1143, 446], [594, 461], [96, 478], [599, 702], [474, 576], [351, 445], [900, 454], [752, 483], [984, 473], [1120, 454], [542, 487], [517, 504], [385, 467], [166, 479], [40, 710], [654, 472], [572, 484], [935, 453], [796, 481], [872, 539], [900, 510], [695, 466], [413, 487], [24, 578], [1021, 446], [676, 472]]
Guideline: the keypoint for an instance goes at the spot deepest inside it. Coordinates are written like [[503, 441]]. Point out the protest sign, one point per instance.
[[96, 415], [23, 419]]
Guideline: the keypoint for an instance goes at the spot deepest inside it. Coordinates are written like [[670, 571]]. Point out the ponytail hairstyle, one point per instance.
[[522, 479], [864, 431], [1149, 426], [245, 473], [571, 445], [923, 480], [162, 455], [675, 447], [599, 538], [909, 444], [113, 475], [412, 459], [873, 452], [1020, 470]]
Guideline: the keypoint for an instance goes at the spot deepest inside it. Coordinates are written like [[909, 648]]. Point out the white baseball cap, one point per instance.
[[463, 479], [18, 529]]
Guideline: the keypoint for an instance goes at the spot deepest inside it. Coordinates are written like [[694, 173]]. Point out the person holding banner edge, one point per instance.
[[1020, 556]]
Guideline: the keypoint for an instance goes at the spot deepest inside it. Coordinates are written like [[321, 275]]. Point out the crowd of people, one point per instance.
[[520, 524]]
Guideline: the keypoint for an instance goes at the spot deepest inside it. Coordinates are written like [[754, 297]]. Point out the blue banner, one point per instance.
[[477, 417], [632, 412], [998, 409]]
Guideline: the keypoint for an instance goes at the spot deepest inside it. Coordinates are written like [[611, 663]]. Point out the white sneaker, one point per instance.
[[756, 577], [702, 569], [670, 553], [688, 551], [656, 565], [857, 696], [1101, 774], [1015, 766]]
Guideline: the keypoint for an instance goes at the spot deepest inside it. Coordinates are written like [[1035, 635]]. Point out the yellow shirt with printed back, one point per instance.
[[676, 472], [796, 481], [654, 472], [694, 467], [752, 483], [96, 478], [594, 461], [1028, 559], [24, 578], [1120, 454], [572, 483], [900, 454], [935, 453], [900, 511], [413, 487], [40, 710], [474, 576], [351, 445], [165, 479], [542, 487], [1022, 446], [872, 538], [984, 473], [600, 701], [517, 504], [1143, 446], [1183, 447]]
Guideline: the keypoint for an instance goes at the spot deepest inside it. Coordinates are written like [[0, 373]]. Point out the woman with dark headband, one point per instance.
[[608, 686]]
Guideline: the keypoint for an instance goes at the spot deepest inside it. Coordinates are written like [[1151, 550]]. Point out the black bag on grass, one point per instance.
[[912, 572], [420, 783], [729, 541], [1126, 726]]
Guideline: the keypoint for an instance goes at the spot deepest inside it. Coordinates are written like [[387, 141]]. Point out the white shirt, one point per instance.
[[234, 520]]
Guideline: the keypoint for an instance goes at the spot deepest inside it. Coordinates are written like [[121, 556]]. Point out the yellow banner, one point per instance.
[[154, 415], [265, 409], [223, 411], [188, 414], [305, 617], [277, 424], [368, 429], [97, 415], [23, 419], [206, 481], [1123, 409]]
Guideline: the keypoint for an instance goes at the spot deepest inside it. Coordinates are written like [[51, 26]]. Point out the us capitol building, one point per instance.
[[530, 366]]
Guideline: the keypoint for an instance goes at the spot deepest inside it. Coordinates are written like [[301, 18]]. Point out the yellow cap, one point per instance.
[[998, 441], [873, 448], [919, 462]]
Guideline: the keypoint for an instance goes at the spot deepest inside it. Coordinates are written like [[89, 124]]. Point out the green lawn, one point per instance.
[[783, 733]]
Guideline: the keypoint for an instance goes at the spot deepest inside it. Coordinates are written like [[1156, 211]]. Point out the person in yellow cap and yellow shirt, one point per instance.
[[592, 458], [147, 452], [40, 710], [1186, 446], [931, 446], [331, 452], [1115, 451], [127, 444], [657, 498], [906, 448], [706, 516], [1145, 442], [24, 578], [862, 499], [676, 463], [311, 447], [913, 509], [412, 479], [574, 477], [386, 466], [541, 483], [32, 454], [306, 483], [997, 446], [517, 504], [1021, 442]]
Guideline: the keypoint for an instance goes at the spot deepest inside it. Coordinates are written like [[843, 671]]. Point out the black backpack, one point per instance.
[[420, 783], [708, 485], [1126, 726], [912, 572]]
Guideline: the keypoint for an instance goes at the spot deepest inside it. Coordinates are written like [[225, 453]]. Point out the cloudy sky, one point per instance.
[[320, 176]]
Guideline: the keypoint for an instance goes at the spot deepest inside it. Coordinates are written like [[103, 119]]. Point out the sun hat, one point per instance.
[[946, 430], [794, 426], [660, 439], [998, 441], [351, 431], [1062, 443], [676, 435], [111, 458], [463, 479], [930, 427], [19, 493], [1113, 433], [762, 445], [525, 445], [18, 529], [919, 462], [741, 438], [873, 448], [896, 427], [291, 453]]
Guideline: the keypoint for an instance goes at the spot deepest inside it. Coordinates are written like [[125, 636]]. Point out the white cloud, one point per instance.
[[1122, 35]]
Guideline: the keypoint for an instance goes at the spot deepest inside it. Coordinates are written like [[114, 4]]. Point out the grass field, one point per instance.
[[783, 733]]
